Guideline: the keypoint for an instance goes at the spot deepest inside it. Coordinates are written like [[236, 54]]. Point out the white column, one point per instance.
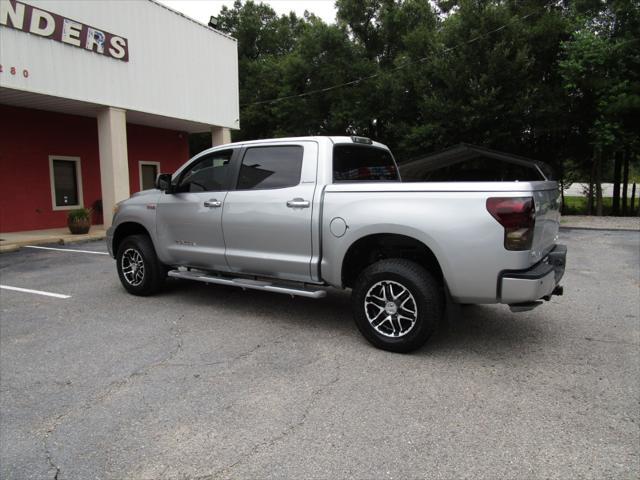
[[114, 162], [220, 136]]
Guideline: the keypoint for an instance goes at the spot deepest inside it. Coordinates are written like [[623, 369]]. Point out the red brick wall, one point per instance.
[[28, 137], [149, 144]]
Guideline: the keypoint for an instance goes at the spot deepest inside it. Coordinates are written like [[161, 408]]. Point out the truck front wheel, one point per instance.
[[397, 304], [140, 271]]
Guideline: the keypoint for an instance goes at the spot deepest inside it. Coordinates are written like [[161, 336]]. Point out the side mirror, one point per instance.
[[163, 182]]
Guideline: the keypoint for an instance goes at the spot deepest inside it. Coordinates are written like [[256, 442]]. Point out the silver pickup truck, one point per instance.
[[296, 215]]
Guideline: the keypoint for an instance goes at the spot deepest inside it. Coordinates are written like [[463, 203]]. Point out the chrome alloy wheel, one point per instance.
[[132, 266], [390, 308]]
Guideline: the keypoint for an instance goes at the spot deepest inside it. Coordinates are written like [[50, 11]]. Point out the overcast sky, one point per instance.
[[201, 10]]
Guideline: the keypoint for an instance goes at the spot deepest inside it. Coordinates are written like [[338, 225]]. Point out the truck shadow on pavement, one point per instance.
[[487, 330], [492, 331]]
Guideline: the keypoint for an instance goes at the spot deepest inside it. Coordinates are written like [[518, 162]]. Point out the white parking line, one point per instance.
[[37, 292], [65, 250]]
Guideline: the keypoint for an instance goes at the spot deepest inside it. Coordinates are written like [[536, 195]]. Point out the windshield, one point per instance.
[[353, 163]]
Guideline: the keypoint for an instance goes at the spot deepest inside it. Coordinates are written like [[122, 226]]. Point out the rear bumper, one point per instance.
[[537, 282]]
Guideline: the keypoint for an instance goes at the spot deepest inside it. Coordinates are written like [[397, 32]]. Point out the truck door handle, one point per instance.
[[298, 203], [213, 203]]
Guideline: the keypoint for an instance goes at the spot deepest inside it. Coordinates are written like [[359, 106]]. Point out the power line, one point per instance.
[[401, 66]]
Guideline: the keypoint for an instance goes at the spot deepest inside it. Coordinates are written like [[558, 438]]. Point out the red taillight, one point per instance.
[[518, 217]]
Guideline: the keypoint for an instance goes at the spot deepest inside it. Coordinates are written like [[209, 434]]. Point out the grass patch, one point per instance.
[[578, 206]]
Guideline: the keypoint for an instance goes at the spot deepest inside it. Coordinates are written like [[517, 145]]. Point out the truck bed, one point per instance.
[[450, 218]]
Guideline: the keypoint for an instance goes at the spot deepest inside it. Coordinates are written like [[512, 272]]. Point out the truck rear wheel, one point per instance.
[[397, 304], [140, 271]]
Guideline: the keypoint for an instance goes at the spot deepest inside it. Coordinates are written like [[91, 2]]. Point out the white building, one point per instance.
[[96, 97]]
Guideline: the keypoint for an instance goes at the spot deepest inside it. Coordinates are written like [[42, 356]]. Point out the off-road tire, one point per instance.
[[154, 272], [428, 298]]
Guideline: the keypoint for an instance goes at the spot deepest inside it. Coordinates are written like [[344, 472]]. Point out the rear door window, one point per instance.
[[353, 163], [270, 167]]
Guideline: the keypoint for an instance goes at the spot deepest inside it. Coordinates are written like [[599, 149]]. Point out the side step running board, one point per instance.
[[248, 283]]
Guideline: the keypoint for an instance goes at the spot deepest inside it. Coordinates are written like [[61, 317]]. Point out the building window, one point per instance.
[[66, 182], [148, 173]]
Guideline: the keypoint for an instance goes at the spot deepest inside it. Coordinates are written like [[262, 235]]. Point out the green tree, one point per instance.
[[556, 81], [491, 81], [600, 68]]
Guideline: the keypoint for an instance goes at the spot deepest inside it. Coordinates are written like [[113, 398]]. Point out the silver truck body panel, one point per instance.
[[136, 211], [268, 232], [446, 217], [547, 201], [255, 232], [190, 233], [266, 237]]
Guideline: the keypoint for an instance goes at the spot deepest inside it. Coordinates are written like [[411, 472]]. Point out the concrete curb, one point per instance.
[[64, 239], [602, 229], [629, 224]]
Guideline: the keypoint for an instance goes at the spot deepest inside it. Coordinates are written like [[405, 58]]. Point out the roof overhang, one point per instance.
[[36, 101]]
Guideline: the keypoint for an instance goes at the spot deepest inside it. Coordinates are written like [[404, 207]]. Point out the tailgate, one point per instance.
[[547, 201]]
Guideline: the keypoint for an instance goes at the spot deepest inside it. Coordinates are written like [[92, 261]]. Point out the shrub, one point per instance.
[[79, 214]]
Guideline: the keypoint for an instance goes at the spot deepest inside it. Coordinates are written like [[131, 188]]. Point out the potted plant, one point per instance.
[[79, 221]]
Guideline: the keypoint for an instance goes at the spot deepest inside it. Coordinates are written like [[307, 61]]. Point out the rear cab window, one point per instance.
[[363, 163]]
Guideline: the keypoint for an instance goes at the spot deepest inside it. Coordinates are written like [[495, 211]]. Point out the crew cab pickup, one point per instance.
[[298, 215]]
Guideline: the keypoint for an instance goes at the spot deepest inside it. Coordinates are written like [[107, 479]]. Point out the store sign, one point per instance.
[[24, 17]]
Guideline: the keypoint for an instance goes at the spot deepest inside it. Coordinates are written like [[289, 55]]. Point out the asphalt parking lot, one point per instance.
[[205, 382]]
